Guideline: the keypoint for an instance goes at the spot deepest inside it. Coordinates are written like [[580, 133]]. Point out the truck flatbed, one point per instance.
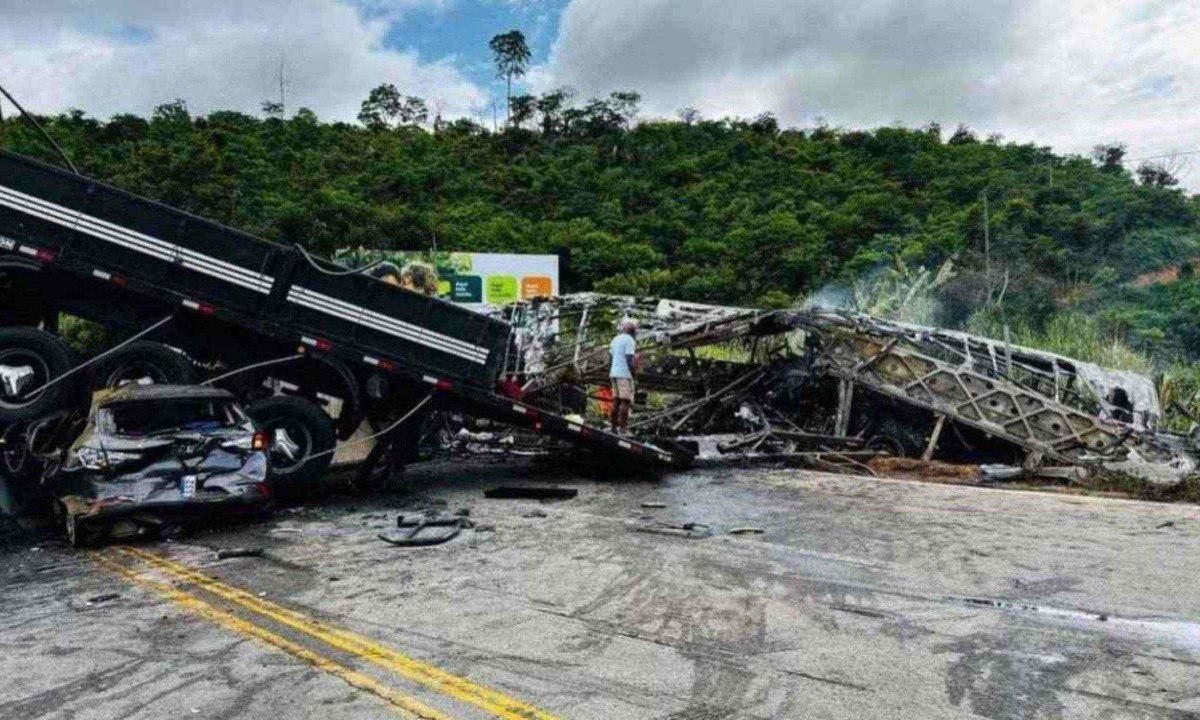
[[123, 260]]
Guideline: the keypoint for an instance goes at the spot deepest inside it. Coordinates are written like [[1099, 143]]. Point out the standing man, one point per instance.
[[623, 350]]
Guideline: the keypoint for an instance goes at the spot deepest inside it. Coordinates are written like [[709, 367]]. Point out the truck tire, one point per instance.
[[307, 430], [145, 363], [30, 358]]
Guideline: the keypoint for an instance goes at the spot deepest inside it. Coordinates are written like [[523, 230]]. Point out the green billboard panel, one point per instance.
[[466, 289], [501, 289]]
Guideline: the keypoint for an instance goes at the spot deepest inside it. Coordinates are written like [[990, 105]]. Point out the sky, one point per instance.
[[1065, 73]]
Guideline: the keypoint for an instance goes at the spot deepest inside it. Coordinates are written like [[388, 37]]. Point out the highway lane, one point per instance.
[[862, 598]]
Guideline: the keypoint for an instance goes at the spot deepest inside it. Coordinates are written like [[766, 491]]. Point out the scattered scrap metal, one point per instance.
[[415, 535], [833, 389]]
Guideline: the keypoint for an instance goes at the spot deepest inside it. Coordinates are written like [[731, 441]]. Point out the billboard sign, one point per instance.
[[473, 278]]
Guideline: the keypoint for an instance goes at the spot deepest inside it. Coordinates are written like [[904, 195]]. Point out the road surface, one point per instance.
[[860, 599]]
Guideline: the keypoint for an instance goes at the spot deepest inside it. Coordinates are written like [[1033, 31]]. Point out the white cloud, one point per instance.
[[1069, 73], [1086, 71], [109, 56], [867, 63]]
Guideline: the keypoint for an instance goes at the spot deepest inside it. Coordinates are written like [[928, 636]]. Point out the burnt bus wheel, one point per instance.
[[299, 431], [897, 438], [145, 363], [30, 358]]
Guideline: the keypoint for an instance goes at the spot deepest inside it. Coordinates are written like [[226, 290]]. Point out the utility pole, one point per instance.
[[282, 84]]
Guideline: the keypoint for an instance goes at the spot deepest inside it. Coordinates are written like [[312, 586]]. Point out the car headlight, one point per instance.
[[98, 459]]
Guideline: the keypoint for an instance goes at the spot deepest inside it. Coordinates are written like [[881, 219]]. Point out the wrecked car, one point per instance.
[[155, 457]]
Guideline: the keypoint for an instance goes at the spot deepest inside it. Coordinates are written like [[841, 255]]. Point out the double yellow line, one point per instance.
[[492, 701]]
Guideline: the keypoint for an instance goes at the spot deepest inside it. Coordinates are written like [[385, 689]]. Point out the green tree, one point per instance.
[[386, 106], [551, 106], [381, 107], [523, 108], [511, 55]]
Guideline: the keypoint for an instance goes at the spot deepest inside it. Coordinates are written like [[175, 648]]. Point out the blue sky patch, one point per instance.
[[462, 29]]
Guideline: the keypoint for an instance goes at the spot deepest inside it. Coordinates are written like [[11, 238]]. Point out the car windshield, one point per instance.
[[149, 418]]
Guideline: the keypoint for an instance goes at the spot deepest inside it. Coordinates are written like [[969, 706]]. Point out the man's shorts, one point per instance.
[[622, 389]]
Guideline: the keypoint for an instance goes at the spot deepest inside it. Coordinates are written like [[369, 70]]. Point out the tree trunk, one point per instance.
[[508, 102]]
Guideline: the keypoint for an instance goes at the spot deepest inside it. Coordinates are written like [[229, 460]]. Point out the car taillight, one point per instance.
[[260, 441]]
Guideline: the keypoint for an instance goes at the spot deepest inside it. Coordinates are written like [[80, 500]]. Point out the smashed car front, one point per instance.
[[196, 468]]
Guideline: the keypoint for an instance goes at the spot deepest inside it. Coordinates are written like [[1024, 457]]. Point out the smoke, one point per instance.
[[891, 292], [833, 296]]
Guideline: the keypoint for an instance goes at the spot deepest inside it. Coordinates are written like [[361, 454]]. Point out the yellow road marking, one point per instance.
[[492, 701], [406, 706]]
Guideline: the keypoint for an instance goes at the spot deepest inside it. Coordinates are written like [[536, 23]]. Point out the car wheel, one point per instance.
[[145, 363], [30, 358], [16, 461], [302, 436]]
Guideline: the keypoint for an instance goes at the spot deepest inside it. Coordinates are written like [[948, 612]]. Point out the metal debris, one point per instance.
[[833, 390], [227, 553], [690, 531], [451, 526]]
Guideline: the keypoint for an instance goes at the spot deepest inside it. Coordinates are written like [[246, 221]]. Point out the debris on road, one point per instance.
[[747, 531], [934, 470], [228, 553], [451, 526], [691, 530], [103, 598]]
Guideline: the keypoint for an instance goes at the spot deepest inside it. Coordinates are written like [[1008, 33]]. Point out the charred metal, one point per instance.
[[833, 388]]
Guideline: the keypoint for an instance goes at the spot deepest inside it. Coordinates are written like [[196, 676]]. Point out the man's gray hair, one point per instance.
[[628, 325]]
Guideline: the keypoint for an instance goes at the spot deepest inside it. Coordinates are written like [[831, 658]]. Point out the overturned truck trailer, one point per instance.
[[779, 382]]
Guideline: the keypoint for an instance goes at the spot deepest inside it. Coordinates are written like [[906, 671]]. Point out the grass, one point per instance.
[[1073, 334]]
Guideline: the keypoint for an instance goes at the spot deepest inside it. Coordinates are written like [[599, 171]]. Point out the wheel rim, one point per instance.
[[21, 370], [140, 372], [300, 438], [16, 454]]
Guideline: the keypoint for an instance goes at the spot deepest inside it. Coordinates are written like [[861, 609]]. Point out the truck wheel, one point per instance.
[[299, 429], [145, 363], [29, 358]]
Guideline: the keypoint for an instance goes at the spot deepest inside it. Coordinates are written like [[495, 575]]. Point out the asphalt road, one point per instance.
[[860, 599]]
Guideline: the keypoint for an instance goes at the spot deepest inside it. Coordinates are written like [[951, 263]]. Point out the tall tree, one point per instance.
[[511, 54], [381, 106]]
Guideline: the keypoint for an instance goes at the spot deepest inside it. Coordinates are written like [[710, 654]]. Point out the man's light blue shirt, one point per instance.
[[621, 346]]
